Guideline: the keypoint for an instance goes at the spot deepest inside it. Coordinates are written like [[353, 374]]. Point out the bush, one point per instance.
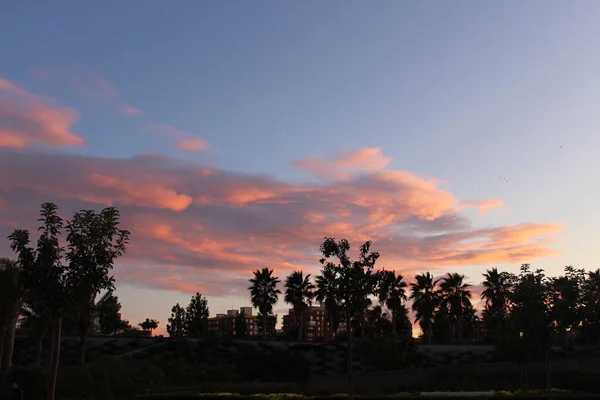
[[31, 380]]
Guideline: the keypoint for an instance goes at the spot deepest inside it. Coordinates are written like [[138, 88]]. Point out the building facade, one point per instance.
[[315, 325], [225, 324]]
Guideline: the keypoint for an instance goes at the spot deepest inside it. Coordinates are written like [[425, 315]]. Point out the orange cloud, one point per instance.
[[345, 165], [27, 119], [183, 140], [483, 206], [196, 225], [126, 109]]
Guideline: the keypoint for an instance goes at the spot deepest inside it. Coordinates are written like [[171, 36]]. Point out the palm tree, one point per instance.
[[12, 291], [328, 293], [391, 291], [497, 289], [299, 293], [456, 298], [425, 301], [264, 293]]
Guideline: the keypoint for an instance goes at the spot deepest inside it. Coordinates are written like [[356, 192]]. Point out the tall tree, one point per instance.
[[12, 291], [327, 292], [264, 294], [591, 306], [241, 329], [94, 242], [456, 298], [196, 316], [176, 325], [45, 276], [299, 292], [357, 282], [391, 291], [425, 300], [567, 302], [149, 325], [497, 290], [109, 315]]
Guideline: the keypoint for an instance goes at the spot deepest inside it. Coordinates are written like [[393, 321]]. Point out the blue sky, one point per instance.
[[463, 92]]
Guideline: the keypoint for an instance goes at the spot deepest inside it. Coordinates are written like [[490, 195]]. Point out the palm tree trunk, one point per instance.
[[55, 358], [2, 336], [265, 326], [349, 358], [9, 339], [429, 333], [39, 344], [394, 323], [300, 328]]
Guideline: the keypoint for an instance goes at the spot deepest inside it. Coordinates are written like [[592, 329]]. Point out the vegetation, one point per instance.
[[49, 290]]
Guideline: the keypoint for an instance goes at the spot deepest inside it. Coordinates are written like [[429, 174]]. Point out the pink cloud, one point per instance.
[[183, 140], [195, 224], [484, 206], [27, 119], [93, 86], [126, 109], [345, 165]]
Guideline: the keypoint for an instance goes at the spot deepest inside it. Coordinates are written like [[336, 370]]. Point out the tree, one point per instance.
[[109, 316], [36, 317], [455, 296], [497, 290], [299, 293], [327, 292], [149, 325], [264, 294], [176, 325], [196, 316], [567, 299], [12, 291], [591, 306], [425, 300], [45, 277], [94, 242], [356, 283], [241, 329], [391, 291], [267, 330]]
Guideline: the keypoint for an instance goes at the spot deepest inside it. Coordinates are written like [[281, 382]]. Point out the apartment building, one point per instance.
[[224, 324], [315, 324]]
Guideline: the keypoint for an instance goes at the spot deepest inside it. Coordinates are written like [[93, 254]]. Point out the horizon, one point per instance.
[[457, 138]]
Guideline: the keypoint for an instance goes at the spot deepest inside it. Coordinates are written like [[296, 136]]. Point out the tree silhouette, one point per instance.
[[497, 291], [12, 291], [176, 325], [299, 293], [94, 243], [327, 292], [149, 325], [241, 329], [456, 298], [391, 291], [196, 317], [264, 294], [425, 299], [357, 282]]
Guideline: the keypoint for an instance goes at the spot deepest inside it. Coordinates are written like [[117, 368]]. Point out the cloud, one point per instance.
[[27, 119], [183, 140], [484, 206], [126, 109], [345, 165], [195, 227], [91, 85]]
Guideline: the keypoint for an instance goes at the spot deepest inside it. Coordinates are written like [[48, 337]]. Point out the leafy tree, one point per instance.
[[109, 315], [391, 291], [176, 325], [357, 282], [45, 277], [455, 296], [591, 306], [271, 322], [36, 317], [425, 300], [327, 292], [94, 243], [241, 329], [497, 291], [196, 316], [12, 291], [149, 325], [264, 294], [299, 292], [567, 299]]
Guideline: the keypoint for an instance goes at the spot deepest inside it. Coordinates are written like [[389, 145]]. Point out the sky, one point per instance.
[[457, 136]]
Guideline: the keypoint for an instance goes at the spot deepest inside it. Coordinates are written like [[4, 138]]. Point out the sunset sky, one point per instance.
[[236, 135]]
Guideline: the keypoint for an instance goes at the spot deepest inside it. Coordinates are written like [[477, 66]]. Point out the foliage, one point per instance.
[[497, 291], [177, 320], [299, 292], [264, 294], [327, 292], [425, 302], [241, 329], [455, 297], [196, 316], [391, 291], [149, 325], [109, 315]]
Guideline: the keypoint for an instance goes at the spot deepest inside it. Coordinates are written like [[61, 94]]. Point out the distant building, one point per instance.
[[315, 324], [224, 324]]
